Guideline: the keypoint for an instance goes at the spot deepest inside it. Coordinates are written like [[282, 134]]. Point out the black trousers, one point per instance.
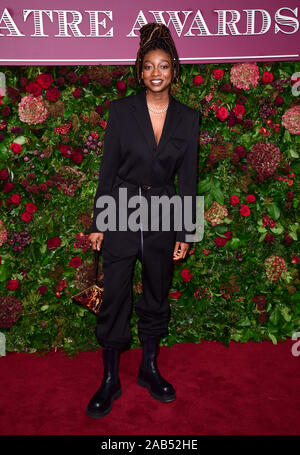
[[120, 250]]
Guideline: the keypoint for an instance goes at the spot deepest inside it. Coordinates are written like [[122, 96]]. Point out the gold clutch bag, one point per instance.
[[91, 297]]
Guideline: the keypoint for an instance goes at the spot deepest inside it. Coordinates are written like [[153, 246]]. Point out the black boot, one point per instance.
[[101, 403], [149, 375]]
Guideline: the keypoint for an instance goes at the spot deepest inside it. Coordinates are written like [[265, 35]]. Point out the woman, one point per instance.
[[149, 137]]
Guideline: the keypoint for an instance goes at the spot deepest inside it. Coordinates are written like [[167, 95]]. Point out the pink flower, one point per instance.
[[32, 110], [243, 75], [291, 120]]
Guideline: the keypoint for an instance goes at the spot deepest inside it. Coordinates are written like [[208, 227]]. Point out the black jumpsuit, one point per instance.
[[132, 160]]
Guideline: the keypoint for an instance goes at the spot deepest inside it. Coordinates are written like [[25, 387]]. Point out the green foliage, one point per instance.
[[220, 299]]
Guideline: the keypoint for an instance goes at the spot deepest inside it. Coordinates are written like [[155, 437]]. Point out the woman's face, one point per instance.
[[157, 67]]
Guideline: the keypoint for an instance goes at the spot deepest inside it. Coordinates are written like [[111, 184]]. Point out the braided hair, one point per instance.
[[156, 36]]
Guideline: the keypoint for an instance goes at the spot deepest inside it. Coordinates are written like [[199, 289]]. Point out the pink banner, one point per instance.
[[73, 32]]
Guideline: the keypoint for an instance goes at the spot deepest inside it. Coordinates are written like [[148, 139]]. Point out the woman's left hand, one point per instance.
[[180, 250]]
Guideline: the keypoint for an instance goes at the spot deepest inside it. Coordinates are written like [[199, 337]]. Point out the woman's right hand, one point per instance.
[[96, 239]]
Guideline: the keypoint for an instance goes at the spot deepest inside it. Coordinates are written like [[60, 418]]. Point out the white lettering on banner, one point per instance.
[[38, 20], [286, 20], [68, 22]]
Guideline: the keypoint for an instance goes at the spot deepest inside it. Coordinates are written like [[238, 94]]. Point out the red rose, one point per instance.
[[99, 109], [75, 262], [15, 198], [44, 80], [52, 94], [34, 88], [220, 241], [4, 174], [240, 151], [77, 92], [60, 81], [60, 285], [42, 290], [23, 81], [30, 207], [198, 80], [263, 317], [43, 187], [250, 198], [259, 299], [234, 200], [244, 210], [267, 78], [5, 111], [239, 110], [278, 101], [228, 235], [72, 77], [121, 86], [84, 80], [186, 275], [8, 186], [222, 113], [175, 295], [218, 74], [15, 147], [76, 157], [53, 242], [65, 150], [12, 285], [26, 217]]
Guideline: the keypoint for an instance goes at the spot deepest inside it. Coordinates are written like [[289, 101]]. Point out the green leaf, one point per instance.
[[293, 153], [203, 186], [287, 136], [278, 229], [274, 211], [20, 140], [234, 243], [245, 322], [273, 338], [285, 313], [218, 195], [4, 272]]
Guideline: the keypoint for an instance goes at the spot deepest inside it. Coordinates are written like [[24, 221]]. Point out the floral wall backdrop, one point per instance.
[[241, 282]]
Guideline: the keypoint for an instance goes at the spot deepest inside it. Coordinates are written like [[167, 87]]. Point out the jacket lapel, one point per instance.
[[143, 120]]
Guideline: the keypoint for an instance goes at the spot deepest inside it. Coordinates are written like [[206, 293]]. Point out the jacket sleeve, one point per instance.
[[109, 162], [187, 176]]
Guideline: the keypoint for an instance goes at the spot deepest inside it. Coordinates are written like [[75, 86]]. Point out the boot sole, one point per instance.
[[160, 398], [98, 415]]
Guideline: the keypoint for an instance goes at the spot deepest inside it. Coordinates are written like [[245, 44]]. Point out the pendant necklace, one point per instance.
[[157, 111]]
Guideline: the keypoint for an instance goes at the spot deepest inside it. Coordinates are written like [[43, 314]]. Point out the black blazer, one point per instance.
[[130, 149]]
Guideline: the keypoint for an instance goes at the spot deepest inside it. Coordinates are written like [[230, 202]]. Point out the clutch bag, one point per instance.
[[91, 297]]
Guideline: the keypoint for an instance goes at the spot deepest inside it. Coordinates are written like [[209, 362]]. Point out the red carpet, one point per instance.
[[245, 389]]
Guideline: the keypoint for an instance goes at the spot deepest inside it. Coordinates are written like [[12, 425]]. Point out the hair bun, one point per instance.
[[152, 32]]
